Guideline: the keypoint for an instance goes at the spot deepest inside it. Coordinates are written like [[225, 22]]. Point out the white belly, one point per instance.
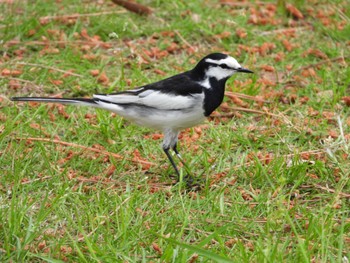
[[160, 119]]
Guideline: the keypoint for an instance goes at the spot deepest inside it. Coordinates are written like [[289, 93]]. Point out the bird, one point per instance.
[[169, 105]]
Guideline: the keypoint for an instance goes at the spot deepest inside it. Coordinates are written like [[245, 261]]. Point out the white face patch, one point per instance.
[[219, 73], [230, 65], [229, 61]]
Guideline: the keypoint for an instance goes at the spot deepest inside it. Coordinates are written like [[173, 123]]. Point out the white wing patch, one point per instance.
[[150, 98], [165, 111], [205, 83]]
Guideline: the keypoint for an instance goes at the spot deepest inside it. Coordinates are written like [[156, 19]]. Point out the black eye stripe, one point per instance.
[[224, 66]]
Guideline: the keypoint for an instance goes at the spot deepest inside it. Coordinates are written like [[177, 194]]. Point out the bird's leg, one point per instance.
[[191, 181], [179, 155], [169, 142], [180, 158], [166, 150]]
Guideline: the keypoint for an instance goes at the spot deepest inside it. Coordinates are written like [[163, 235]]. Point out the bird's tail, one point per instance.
[[73, 101]]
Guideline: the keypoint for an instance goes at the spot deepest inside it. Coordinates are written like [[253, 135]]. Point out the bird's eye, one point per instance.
[[224, 66]]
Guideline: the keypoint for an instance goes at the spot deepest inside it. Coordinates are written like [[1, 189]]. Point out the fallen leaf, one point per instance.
[[103, 78], [268, 68], [160, 72], [11, 73], [49, 50], [94, 72], [241, 33], [287, 45], [156, 247], [223, 35], [109, 171], [42, 245], [56, 81], [266, 47], [231, 242], [294, 11], [14, 84], [315, 52], [66, 249], [309, 72], [346, 100]]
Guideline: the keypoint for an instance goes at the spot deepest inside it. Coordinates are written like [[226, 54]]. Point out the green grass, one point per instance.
[[276, 184]]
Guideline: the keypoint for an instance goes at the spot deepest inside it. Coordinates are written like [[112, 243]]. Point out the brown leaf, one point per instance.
[[346, 100], [52, 116], [304, 99], [56, 81], [14, 84], [94, 72], [268, 68], [69, 156], [309, 72], [193, 258], [62, 112], [168, 34], [311, 175], [110, 170], [42, 245], [156, 247], [294, 11], [328, 115], [44, 21], [141, 211], [31, 32], [231, 242], [160, 72], [238, 101], [103, 78], [279, 56], [66, 249], [85, 34], [11, 73], [134, 7], [157, 136], [89, 56], [223, 35], [315, 52], [173, 47], [241, 33], [68, 73], [49, 50], [333, 134], [287, 45], [266, 47]]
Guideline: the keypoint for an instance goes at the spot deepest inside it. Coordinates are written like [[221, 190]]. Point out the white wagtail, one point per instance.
[[169, 105]]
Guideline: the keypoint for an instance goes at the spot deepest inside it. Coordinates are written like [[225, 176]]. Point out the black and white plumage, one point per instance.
[[169, 105]]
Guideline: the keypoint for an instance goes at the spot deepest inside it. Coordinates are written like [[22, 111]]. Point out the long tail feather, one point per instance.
[[76, 101]]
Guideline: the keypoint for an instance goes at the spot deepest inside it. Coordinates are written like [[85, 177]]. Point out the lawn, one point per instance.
[[84, 185]]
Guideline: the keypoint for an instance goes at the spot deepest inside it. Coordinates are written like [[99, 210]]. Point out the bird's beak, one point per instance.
[[244, 70]]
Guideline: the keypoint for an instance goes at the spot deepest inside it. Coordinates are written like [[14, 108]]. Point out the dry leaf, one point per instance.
[[294, 11], [241, 33], [94, 72], [156, 247], [346, 100]]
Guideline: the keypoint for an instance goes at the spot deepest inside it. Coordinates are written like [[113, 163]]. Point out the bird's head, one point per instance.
[[219, 66]]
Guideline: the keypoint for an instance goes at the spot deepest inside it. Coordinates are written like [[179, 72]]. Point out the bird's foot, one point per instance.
[[193, 183]]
